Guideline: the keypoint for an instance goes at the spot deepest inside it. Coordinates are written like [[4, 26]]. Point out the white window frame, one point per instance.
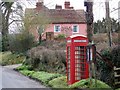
[[55, 28], [77, 28]]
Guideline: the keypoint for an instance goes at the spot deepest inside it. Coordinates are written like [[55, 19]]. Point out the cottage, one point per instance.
[[67, 21]]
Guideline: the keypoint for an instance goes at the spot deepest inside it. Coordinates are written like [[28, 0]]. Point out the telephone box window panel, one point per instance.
[[79, 61], [68, 60]]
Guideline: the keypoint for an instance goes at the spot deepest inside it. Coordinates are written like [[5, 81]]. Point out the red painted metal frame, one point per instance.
[[72, 44]]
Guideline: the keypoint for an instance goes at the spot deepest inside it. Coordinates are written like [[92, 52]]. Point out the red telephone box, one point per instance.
[[76, 58]]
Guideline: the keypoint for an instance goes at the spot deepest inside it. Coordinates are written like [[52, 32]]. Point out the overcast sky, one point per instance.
[[98, 8]]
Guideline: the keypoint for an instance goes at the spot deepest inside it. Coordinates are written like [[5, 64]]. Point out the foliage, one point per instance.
[[105, 72], [44, 77], [100, 26], [26, 72], [0, 43], [22, 42], [60, 82], [8, 58], [41, 76], [4, 42], [61, 36], [23, 67], [7, 8], [41, 58], [116, 56], [37, 20], [54, 45], [85, 83]]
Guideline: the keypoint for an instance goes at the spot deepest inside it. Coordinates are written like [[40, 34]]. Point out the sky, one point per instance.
[[98, 6]]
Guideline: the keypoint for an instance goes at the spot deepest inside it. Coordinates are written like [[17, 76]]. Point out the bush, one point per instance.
[[41, 58], [4, 42], [106, 72], [24, 67], [116, 56], [0, 43], [22, 42], [61, 36], [54, 45]]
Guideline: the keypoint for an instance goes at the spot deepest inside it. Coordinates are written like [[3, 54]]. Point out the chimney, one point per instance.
[[67, 4], [39, 4], [71, 7], [58, 7]]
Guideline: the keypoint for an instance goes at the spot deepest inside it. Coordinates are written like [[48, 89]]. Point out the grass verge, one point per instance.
[[8, 58], [86, 83], [55, 80], [43, 77]]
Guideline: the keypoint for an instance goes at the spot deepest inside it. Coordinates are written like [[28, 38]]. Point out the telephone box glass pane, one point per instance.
[[80, 57], [68, 62]]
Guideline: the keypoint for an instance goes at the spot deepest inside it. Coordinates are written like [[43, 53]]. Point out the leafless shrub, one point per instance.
[[42, 58]]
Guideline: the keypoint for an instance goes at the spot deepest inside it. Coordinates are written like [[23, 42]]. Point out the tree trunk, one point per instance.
[[5, 31]]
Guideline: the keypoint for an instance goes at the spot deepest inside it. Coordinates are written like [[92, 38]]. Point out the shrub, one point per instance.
[[54, 45], [105, 72], [116, 56], [41, 58], [61, 36], [0, 43], [4, 42], [22, 42], [24, 67]]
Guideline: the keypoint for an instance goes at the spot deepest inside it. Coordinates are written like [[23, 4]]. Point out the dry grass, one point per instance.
[[101, 40]]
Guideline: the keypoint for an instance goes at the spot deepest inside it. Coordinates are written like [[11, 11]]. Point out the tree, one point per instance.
[[100, 26], [5, 7], [36, 19]]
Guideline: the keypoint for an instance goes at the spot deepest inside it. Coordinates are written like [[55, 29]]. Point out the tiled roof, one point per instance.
[[66, 16], [63, 15]]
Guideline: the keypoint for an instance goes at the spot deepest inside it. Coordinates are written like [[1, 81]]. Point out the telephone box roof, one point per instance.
[[76, 35]]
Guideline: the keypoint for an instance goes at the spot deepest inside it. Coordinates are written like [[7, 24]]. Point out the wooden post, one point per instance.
[[108, 24], [89, 19]]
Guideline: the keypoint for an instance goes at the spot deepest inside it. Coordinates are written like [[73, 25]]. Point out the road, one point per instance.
[[13, 79]]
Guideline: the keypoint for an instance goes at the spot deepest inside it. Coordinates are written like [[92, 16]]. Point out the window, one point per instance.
[[75, 29], [57, 28]]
